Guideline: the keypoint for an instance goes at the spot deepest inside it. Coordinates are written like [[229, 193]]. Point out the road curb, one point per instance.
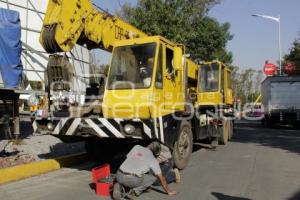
[[19, 172]]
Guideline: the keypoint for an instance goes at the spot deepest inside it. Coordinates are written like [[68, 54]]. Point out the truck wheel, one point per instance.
[[213, 135], [6, 129], [269, 123], [230, 130], [214, 142], [224, 132], [296, 125], [183, 146]]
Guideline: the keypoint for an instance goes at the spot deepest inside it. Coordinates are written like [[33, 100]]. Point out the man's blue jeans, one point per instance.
[[167, 171]]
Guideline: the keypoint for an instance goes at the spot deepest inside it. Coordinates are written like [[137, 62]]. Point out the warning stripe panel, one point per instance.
[[108, 128], [96, 128]]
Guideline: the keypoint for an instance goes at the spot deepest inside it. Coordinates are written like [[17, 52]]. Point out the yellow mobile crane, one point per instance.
[[152, 92]]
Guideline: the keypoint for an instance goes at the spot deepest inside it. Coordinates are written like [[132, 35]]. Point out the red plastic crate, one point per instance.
[[100, 172], [103, 189]]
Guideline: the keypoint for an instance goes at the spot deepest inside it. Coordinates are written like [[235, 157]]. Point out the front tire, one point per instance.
[[183, 146]]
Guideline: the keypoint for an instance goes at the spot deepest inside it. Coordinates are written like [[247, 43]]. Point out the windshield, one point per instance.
[[209, 78], [132, 67]]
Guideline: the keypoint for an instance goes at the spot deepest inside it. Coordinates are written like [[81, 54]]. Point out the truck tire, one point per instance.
[[6, 129], [296, 125], [263, 122], [224, 132], [230, 130], [269, 123], [183, 146], [214, 142], [213, 135]]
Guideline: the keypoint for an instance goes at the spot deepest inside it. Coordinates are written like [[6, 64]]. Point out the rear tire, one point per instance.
[[296, 125], [6, 129], [214, 142], [230, 130], [224, 132], [183, 146]]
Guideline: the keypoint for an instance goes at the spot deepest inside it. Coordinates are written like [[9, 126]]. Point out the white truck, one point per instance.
[[281, 100]]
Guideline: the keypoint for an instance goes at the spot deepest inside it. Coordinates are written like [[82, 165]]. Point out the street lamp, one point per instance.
[[277, 19]]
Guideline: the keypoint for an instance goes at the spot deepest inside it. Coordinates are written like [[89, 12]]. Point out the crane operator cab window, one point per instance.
[[209, 77], [132, 67]]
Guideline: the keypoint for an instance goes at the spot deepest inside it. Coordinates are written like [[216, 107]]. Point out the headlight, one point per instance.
[[72, 99], [64, 97], [129, 129], [50, 126], [33, 100]]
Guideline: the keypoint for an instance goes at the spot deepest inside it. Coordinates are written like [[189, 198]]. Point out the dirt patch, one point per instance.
[[35, 148], [10, 161]]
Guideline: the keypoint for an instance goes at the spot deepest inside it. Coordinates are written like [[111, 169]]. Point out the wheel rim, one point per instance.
[[184, 144]]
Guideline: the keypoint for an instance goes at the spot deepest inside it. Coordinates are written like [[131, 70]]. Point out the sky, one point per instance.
[[255, 39]]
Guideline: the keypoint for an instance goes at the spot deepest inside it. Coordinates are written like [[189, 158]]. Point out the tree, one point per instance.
[[246, 83], [294, 54], [184, 22]]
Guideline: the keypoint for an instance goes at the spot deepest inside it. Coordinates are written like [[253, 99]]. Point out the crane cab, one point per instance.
[[214, 85], [144, 79], [214, 104]]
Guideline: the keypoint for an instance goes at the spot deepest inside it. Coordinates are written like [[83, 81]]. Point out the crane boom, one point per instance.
[[71, 22]]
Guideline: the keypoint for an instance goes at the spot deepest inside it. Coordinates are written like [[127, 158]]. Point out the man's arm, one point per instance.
[[164, 184]]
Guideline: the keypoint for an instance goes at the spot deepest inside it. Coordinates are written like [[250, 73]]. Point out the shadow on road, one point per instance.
[[279, 137], [221, 196], [296, 196]]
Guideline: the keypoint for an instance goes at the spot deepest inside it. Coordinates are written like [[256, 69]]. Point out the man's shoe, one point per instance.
[[177, 175], [131, 194], [117, 193]]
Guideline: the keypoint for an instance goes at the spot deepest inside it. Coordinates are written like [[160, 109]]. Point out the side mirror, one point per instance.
[[178, 59]]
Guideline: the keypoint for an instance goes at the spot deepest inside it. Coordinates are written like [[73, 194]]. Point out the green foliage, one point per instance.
[[294, 54], [246, 83], [184, 22]]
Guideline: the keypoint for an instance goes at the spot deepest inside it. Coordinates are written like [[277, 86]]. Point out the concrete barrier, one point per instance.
[[19, 172]]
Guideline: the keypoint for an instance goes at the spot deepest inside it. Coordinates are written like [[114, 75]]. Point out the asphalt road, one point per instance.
[[259, 163]]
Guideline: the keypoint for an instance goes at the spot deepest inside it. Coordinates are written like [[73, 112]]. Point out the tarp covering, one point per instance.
[[10, 48]]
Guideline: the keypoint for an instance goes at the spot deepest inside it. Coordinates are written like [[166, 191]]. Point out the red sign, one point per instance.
[[289, 68], [270, 69]]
